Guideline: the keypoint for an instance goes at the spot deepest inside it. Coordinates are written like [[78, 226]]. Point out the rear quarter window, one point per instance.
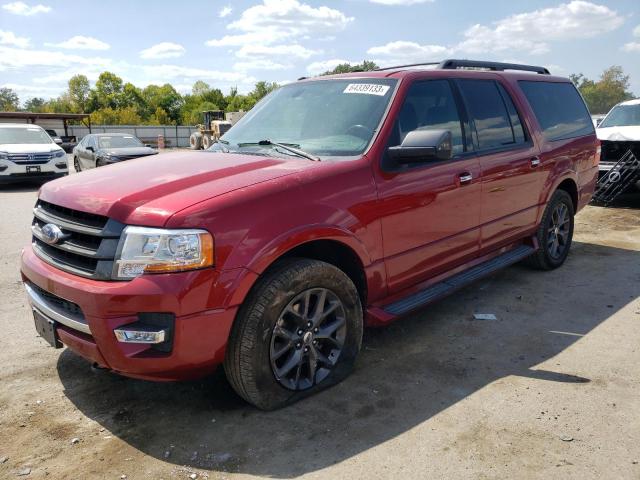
[[559, 108]]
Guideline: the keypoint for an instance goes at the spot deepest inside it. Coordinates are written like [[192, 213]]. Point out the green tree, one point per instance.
[[365, 66], [602, 95], [79, 89], [108, 90], [166, 97], [160, 117], [200, 88], [262, 89], [9, 101], [35, 104]]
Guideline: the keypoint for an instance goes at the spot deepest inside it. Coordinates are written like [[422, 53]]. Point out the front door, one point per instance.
[[430, 212]]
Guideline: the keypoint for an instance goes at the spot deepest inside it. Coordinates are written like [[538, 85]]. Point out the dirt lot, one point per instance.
[[550, 389]]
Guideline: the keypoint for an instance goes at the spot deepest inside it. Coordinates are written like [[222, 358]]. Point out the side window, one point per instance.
[[488, 112], [559, 109], [516, 124], [430, 105], [91, 142]]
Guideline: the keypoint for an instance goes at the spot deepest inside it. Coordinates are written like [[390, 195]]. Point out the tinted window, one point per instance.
[[516, 124], [430, 105], [118, 141], [559, 109], [489, 113]]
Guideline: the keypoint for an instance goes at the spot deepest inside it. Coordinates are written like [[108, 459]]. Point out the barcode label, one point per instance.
[[367, 89]]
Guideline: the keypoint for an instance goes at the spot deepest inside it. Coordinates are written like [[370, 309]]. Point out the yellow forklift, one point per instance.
[[213, 127]]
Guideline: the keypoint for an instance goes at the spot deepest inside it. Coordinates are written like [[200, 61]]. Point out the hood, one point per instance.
[[129, 151], [150, 190], [29, 147], [619, 134]]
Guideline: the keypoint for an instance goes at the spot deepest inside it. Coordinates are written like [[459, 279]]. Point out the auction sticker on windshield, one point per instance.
[[367, 88]]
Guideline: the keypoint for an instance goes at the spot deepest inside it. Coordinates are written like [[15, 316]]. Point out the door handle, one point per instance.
[[535, 161], [465, 178]]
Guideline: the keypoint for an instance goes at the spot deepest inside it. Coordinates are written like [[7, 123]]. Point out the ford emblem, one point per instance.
[[51, 234]]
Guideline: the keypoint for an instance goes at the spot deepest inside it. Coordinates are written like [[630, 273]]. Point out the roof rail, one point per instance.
[[453, 64], [408, 65]]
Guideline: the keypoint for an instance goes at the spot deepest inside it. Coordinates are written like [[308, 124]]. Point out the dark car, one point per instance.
[[100, 149]]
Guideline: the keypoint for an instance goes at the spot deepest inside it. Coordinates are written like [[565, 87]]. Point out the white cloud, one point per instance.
[[80, 42], [30, 91], [636, 31], [275, 20], [260, 64], [532, 30], [21, 8], [631, 47], [407, 52], [322, 66], [290, 51], [10, 38], [172, 72], [163, 50], [20, 58], [225, 11], [400, 2]]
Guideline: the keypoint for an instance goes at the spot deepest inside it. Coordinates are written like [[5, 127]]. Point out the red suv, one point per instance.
[[335, 203]]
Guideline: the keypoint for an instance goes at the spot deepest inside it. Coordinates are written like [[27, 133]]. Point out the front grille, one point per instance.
[[68, 307], [612, 151], [30, 158], [89, 242]]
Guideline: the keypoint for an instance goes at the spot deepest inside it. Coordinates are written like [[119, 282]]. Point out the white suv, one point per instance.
[[28, 153]]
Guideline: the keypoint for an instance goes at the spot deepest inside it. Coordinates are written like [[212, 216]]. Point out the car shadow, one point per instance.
[[407, 373], [33, 186]]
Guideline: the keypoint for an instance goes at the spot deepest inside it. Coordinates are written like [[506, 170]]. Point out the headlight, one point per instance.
[[154, 250], [59, 153]]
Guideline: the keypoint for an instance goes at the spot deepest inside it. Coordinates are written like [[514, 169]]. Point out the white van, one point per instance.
[[27, 152]]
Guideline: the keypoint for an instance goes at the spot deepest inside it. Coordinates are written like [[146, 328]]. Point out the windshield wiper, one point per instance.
[[290, 147]]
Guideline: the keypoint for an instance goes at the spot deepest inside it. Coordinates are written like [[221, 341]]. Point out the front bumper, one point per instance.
[[11, 172], [202, 302]]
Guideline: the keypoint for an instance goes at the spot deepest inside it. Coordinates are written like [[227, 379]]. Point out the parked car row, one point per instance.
[[31, 153]]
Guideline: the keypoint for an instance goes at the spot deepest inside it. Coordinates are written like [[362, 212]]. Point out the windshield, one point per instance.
[[622, 116], [324, 118], [24, 135], [119, 142]]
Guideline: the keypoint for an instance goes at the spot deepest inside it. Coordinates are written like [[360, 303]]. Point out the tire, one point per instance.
[[195, 141], [207, 141], [251, 360], [547, 257], [76, 165], [100, 163]]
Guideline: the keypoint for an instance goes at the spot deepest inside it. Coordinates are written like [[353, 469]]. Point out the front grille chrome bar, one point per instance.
[[38, 302]]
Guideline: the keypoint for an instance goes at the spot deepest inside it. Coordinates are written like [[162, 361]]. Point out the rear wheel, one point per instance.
[[298, 332], [195, 141], [555, 233]]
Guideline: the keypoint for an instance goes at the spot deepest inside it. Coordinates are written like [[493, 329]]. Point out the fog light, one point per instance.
[[139, 336], [3, 168], [62, 165]]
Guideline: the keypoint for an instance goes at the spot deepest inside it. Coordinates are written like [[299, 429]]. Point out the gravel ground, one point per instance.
[[551, 388]]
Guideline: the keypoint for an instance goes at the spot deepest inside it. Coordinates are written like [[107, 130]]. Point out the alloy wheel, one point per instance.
[[558, 231], [307, 339]]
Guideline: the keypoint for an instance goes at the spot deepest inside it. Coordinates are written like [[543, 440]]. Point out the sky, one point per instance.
[[236, 43]]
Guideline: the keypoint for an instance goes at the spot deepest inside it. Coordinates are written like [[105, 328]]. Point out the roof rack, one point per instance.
[[453, 64]]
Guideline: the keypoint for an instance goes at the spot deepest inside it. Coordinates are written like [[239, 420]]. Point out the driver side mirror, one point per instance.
[[422, 146], [90, 149]]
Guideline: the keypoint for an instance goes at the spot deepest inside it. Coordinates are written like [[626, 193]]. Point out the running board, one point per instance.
[[457, 281]]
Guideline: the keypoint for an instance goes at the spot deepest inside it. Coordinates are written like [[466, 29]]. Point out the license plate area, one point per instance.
[[46, 328], [33, 169]]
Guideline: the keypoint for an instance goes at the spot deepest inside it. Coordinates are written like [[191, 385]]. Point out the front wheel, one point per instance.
[[76, 165], [298, 332], [554, 233]]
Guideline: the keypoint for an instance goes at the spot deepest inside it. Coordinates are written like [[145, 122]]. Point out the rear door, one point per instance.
[[509, 162], [429, 212]]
